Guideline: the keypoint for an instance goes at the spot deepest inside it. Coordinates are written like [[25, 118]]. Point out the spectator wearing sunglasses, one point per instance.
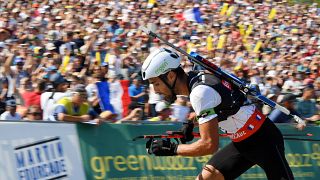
[[34, 113]]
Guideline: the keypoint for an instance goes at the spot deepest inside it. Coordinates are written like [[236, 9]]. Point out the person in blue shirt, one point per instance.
[[288, 101], [137, 91]]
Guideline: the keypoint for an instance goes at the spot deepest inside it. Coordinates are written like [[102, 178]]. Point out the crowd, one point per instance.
[[60, 50]]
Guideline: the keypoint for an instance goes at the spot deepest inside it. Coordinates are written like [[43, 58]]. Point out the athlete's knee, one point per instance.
[[210, 172]]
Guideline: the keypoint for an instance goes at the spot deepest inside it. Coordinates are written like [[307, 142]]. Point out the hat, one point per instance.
[[104, 64], [79, 88], [288, 98], [271, 73], [18, 59], [11, 103], [50, 46], [160, 106], [57, 79]]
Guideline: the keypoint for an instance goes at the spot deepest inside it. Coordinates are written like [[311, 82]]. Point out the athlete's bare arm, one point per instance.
[[207, 144]]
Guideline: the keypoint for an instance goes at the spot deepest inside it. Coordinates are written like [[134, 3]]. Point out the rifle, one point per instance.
[[178, 135], [245, 88]]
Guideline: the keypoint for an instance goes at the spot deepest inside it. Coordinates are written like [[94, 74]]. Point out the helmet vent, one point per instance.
[[144, 75], [174, 55], [167, 50]]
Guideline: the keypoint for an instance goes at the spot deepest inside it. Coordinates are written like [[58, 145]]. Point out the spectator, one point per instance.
[[4, 92], [57, 90], [180, 109], [288, 101], [153, 100], [163, 112], [75, 108], [306, 105], [137, 91], [34, 113], [10, 113], [33, 97]]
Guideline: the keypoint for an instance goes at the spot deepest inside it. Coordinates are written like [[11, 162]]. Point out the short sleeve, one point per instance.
[[204, 99]]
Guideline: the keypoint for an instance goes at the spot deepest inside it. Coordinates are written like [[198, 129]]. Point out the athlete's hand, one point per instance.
[[300, 127], [187, 130], [161, 147]]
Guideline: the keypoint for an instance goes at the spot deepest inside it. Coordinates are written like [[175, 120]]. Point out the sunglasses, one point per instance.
[[36, 113]]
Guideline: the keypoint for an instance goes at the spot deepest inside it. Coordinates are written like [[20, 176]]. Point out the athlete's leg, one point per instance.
[[227, 163], [266, 148], [275, 164], [209, 172]]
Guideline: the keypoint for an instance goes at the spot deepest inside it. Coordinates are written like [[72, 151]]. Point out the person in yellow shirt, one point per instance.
[[76, 107], [163, 112]]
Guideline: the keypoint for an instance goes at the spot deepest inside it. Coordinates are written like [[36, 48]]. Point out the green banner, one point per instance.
[[108, 152]]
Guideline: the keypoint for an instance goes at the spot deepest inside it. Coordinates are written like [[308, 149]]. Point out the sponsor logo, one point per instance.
[[237, 135], [162, 67], [226, 84], [43, 159]]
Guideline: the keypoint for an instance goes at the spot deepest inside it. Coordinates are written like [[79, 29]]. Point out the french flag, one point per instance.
[[192, 14], [258, 118], [250, 127], [114, 97]]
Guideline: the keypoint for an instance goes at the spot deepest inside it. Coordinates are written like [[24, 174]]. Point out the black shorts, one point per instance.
[[264, 148]]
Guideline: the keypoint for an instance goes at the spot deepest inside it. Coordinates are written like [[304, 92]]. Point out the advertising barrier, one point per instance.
[[109, 153], [42, 151]]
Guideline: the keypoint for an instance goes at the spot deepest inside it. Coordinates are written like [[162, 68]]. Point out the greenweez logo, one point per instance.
[[41, 160], [162, 67]]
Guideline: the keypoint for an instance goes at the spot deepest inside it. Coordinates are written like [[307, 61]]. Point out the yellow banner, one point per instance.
[[221, 41], [152, 2], [106, 58], [272, 14], [230, 10], [98, 57], [257, 47], [224, 9], [189, 47], [249, 30], [241, 29], [209, 43], [65, 63]]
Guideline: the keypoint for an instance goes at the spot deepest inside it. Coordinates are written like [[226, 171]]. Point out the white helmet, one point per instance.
[[160, 61]]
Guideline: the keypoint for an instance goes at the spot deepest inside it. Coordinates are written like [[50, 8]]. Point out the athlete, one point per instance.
[[217, 104]]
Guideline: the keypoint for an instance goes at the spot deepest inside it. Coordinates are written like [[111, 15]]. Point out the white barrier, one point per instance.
[[35, 150]]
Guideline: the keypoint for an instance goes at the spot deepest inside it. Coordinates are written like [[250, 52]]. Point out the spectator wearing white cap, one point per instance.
[[163, 112]]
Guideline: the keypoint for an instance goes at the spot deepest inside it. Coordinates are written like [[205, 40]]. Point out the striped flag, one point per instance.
[[193, 14], [114, 97], [250, 127]]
